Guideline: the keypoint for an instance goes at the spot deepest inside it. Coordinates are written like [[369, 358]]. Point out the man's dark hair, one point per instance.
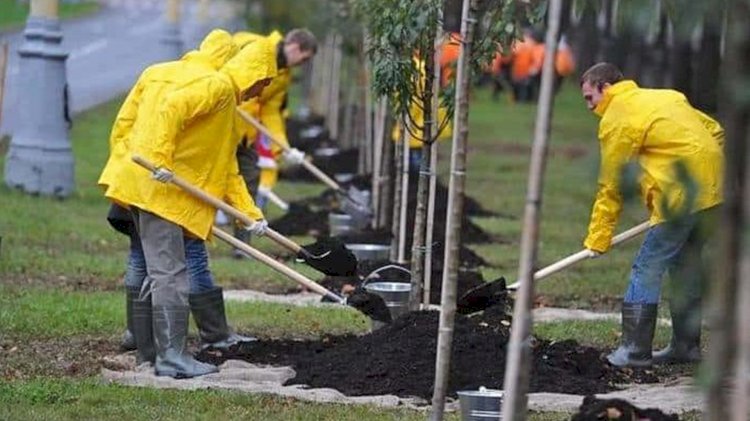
[[304, 38], [600, 74]]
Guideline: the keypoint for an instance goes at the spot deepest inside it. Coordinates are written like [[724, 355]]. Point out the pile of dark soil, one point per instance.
[[400, 359], [593, 409], [300, 219], [310, 215]]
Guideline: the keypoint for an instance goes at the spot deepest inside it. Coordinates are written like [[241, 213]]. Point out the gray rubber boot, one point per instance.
[[208, 311], [638, 325], [685, 346], [170, 337], [128, 340], [142, 328]]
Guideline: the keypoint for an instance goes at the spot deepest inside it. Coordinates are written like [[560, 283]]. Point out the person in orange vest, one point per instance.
[[564, 62], [526, 66]]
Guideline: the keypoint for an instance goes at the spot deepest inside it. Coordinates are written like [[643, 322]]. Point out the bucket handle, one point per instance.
[[376, 271]]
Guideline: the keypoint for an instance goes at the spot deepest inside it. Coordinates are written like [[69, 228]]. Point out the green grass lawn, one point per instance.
[[61, 267], [14, 14]]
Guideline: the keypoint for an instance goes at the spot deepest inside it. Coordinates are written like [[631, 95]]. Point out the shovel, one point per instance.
[[370, 304], [359, 211], [337, 260], [483, 296]]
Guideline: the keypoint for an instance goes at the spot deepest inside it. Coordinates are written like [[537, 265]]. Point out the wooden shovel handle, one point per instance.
[[309, 166], [220, 204], [277, 266], [583, 254]]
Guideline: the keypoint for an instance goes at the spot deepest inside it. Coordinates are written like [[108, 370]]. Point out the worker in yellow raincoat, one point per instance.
[[257, 155], [205, 298], [415, 132], [180, 116], [679, 152]]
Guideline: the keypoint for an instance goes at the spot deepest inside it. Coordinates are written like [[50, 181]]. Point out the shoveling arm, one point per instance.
[[277, 266], [245, 219], [583, 254]]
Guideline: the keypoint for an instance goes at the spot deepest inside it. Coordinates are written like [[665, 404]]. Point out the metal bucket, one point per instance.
[[371, 252], [341, 224], [395, 294], [481, 405]]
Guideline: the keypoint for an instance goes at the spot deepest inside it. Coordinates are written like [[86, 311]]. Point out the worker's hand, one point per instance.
[[294, 156], [594, 254], [258, 228], [162, 175]]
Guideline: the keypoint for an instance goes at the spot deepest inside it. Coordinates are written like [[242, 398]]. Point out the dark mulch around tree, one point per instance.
[[593, 409], [400, 359], [310, 216]]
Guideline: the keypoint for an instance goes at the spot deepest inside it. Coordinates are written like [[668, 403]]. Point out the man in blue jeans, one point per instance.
[[205, 299], [679, 152]]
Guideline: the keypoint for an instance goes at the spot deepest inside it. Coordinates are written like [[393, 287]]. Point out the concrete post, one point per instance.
[[172, 37], [40, 158]]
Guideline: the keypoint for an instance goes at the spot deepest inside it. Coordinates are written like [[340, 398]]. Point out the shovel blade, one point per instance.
[[330, 256], [482, 297]]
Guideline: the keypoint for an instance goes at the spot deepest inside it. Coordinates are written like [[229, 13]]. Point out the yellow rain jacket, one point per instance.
[[268, 107], [417, 114], [180, 116], [658, 128]]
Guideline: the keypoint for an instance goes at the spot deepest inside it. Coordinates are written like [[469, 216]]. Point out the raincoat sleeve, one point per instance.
[[616, 150], [271, 115], [713, 127], [125, 117], [179, 108], [237, 194]]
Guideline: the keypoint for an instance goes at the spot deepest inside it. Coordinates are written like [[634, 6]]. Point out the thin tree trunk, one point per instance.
[[707, 65], [722, 312], [377, 165], [387, 182], [398, 164], [335, 87], [454, 212], [518, 361], [420, 214], [588, 39], [433, 173], [404, 192]]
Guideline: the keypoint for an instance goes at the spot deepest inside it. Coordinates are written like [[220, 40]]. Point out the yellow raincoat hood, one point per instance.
[[254, 62], [216, 49]]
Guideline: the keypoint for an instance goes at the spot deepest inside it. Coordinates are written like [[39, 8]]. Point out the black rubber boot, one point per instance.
[[638, 325], [128, 340], [208, 311], [142, 328], [170, 337], [685, 346]]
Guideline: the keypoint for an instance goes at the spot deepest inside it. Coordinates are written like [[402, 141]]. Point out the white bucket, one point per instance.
[[481, 405]]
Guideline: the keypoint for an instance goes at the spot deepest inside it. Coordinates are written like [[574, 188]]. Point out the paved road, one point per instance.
[[107, 51]]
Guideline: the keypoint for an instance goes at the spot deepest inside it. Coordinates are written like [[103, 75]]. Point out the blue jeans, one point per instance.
[[196, 260], [675, 247]]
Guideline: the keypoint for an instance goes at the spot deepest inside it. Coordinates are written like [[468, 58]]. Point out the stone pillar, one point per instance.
[[40, 158], [171, 38]]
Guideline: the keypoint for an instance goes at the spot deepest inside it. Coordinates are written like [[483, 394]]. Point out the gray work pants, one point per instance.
[[164, 249]]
